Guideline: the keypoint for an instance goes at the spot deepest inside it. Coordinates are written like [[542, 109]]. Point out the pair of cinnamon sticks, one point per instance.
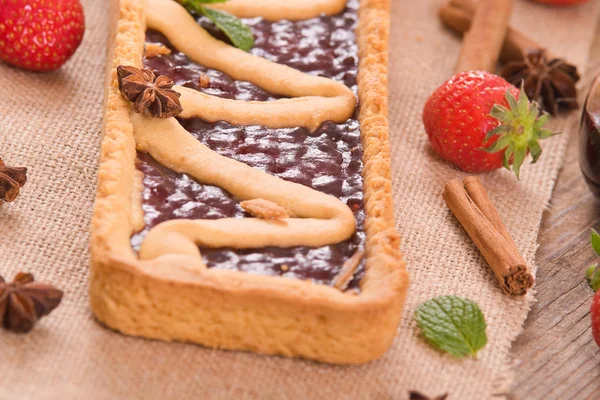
[[469, 202]]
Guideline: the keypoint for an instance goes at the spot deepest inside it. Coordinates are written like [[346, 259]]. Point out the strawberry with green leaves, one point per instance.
[[593, 278], [479, 122]]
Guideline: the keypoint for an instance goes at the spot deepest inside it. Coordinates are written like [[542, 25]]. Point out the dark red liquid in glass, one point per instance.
[[589, 139]]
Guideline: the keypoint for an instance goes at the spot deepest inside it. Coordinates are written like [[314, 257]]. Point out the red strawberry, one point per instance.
[[561, 2], [40, 35], [593, 277], [595, 313], [475, 121]]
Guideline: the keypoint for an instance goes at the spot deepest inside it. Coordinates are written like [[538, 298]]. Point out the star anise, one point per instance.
[[551, 83], [151, 95], [12, 180], [23, 302], [414, 395]]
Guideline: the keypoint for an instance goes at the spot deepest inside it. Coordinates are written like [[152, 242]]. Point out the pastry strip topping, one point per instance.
[[321, 219], [314, 99], [275, 10], [329, 160]]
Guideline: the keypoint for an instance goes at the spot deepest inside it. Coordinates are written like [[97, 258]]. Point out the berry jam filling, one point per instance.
[[329, 160]]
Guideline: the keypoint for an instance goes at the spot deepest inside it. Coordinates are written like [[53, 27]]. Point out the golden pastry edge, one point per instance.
[[233, 310]]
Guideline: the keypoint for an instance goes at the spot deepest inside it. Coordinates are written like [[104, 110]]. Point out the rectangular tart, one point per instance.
[[175, 257]]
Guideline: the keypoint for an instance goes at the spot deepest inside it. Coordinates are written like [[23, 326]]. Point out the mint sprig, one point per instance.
[[592, 274], [453, 325], [239, 34]]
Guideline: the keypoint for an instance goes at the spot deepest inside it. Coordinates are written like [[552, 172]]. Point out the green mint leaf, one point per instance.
[[195, 5], [595, 239], [452, 324], [239, 34], [593, 277]]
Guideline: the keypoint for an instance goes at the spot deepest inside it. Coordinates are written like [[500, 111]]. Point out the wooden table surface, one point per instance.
[[556, 355]]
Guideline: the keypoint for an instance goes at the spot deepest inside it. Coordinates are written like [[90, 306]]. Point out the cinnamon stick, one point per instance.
[[477, 192], [457, 15], [483, 42], [484, 226]]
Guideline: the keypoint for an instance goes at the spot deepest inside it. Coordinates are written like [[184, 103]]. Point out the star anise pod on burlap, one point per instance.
[[12, 180], [414, 395], [23, 302], [151, 95], [550, 83]]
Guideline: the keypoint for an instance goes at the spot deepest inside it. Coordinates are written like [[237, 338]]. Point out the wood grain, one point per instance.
[[556, 354]]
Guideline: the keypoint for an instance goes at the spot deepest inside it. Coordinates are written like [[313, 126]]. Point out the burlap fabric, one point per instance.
[[51, 123]]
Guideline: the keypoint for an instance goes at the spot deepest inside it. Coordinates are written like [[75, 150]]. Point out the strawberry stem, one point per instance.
[[592, 275], [519, 132]]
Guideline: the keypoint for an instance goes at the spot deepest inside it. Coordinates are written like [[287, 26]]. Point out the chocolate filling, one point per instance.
[[330, 160]]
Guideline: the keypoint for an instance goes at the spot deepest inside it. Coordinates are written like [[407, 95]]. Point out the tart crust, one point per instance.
[[171, 299]]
